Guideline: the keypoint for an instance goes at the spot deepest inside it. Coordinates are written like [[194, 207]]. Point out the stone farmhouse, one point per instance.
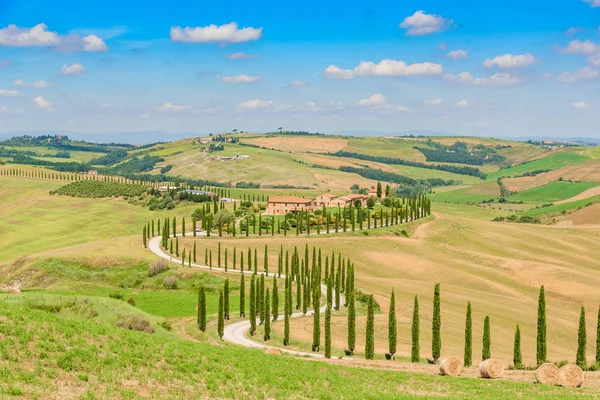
[[280, 205]]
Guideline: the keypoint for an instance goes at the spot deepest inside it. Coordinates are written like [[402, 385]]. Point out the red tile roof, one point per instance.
[[289, 200]]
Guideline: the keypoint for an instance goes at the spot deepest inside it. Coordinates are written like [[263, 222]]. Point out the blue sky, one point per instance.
[[511, 68]]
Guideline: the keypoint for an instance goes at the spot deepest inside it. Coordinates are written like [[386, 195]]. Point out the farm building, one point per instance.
[[279, 205], [92, 172], [329, 200]]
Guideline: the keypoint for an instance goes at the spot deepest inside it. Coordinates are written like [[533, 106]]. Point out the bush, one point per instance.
[[116, 296], [364, 300], [165, 325], [157, 267], [131, 301], [170, 282], [135, 323]]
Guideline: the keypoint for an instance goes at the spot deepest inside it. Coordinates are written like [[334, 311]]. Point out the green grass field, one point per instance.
[[552, 162], [560, 208], [555, 191]]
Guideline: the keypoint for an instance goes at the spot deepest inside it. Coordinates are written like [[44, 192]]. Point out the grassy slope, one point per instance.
[[555, 191], [552, 162], [50, 355]]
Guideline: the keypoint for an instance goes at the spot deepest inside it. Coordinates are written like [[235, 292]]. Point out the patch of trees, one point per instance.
[[100, 189], [62, 154], [112, 158], [247, 185], [398, 161], [135, 165], [166, 169], [380, 175], [59, 166], [460, 153]]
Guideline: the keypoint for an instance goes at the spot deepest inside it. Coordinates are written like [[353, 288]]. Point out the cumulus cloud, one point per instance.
[[421, 23], [499, 79], [227, 33], [594, 60], [580, 105], [433, 102], [383, 68], [458, 54], [585, 73], [240, 55], [256, 104], [171, 107], [242, 78], [298, 84], [510, 61], [9, 93], [463, 103], [376, 100], [593, 3], [44, 104], [36, 84], [75, 69], [39, 35], [579, 47]]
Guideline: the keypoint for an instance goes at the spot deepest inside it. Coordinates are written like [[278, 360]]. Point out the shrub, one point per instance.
[[131, 301], [157, 267], [116, 296], [170, 282], [135, 323], [165, 325], [364, 300]]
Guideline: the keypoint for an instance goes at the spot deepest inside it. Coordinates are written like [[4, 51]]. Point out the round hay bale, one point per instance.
[[547, 374], [570, 375], [273, 351], [491, 368], [451, 366]]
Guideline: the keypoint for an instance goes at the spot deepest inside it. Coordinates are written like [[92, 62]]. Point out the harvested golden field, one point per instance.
[[587, 171], [300, 143]]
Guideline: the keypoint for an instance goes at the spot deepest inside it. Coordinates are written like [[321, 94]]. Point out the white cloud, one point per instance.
[[256, 104], [579, 47], [376, 100], [573, 30], [580, 105], [421, 23], [9, 93], [75, 69], [240, 55], [433, 102], [36, 84], [168, 106], [384, 68], [443, 46], [582, 74], [298, 84], [93, 43], [511, 61], [594, 60], [43, 103], [227, 33], [463, 103], [593, 3], [458, 54], [242, 78], [12, 35], [499, 79]]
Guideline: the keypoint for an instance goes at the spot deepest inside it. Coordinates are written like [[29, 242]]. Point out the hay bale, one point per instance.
[[273, 351], [547, 374], [451, 366], [491, 368], [570, 375]]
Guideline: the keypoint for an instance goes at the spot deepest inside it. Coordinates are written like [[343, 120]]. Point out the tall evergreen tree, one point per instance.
[[242, 295], [415, 354], [316, 329], [252, 306], [436, 338], [183, 226], [194, 256], [226, 299], [202, 309], [351, 323], [275, 311], [266, 261], [144, 237], [286, 313], [267, 329], [468, 359], [262, 312], [338, 287], [379, 190], [370, 332], [517, 358], [328, 331], [541, 328], [220, 317], [598, 337], [486, 352], [392, 333], [581, 359]]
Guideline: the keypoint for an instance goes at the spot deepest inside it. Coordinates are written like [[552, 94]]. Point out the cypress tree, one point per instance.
[[468, 360], [242, 295], [183, 226], [249, 259], [415, 354], [286, 313], [266, 261], [255, 262], [275, 305], [266, 317], [219, 255], [226, 299], [392, 333], [144, 237], [194, 252], [486, 352], [234, 257], [171, 246], [328, 331], [541, 328], [177, 246], [174, 226], [220, 318], [598, 337], [517, 358], [351, 323], [370, 340], [202, 309], [436, 339], [581, 359], [252, 306], [337, 287], [316, 329], [262, 312]]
